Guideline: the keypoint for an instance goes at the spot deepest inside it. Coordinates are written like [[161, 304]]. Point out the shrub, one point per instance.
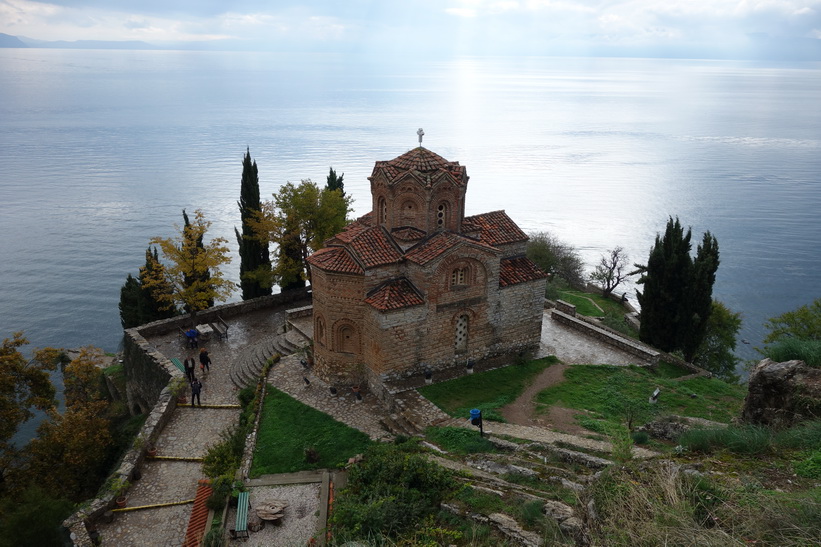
[[223, 458], [390, 492], [788, 349], [640, 437], [748, 439], [804, 436]]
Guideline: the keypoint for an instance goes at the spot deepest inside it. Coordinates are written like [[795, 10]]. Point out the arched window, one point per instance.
[[320, 330], [383, 211], [460, 335], [459, 277], [347, 340], [442, 215]]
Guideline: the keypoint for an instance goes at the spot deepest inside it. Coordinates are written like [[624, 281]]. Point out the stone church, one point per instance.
[[415, 285]]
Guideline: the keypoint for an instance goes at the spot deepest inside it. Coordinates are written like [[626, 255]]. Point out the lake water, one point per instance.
[[101, 150]]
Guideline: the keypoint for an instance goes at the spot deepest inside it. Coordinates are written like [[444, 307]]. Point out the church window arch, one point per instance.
[[319, 330], [347, 338], [460, 333], [460, 276], [442, 212], [383, 210]]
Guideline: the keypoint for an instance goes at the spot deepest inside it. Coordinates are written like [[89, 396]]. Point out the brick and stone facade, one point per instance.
[[415, 285]]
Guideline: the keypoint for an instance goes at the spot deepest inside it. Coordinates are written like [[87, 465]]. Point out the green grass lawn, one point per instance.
[[287, 428], [607, 390], [488, 391], [584, 306]]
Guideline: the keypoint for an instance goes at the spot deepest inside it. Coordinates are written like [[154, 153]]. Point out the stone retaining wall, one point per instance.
[[77, 524], [649, 355], [148, 373]]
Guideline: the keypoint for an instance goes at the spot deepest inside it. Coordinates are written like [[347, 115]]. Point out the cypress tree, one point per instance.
[[254, 254], [130, 296], [677, 298], [334, 182], [666, 281], [699, 302]]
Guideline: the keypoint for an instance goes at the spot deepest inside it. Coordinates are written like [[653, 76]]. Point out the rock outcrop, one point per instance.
[[782, 394]]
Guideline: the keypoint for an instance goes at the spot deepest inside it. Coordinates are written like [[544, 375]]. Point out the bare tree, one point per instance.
[[610, 271]]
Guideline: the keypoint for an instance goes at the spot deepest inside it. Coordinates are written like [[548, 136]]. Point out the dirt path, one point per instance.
[[522, 411]]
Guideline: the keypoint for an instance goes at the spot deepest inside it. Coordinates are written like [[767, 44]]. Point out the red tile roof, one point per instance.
[[438, 244], [408, 233], [513, 271], [422, 160], [351, 231], [373, 247], [494, 228], [395, 294], [335, 259], [199, 515]]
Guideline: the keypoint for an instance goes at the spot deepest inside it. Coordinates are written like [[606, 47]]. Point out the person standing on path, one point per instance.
[[196, 388], [205, 361], [189, 365]]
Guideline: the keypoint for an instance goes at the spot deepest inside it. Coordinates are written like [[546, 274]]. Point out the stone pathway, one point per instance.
[[192, 430], [187, 435]]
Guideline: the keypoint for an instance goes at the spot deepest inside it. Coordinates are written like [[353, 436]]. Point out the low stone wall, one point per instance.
[[304, 311], [77, 524], [566, 307], [649, 355], [148, 373]]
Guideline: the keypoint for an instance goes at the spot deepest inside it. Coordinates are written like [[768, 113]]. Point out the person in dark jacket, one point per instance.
[[196, 388], [189, 365], [205, 360]]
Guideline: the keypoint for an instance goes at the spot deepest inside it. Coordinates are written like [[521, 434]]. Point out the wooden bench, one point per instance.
[[220, 327], [177, 363], [241, 524]]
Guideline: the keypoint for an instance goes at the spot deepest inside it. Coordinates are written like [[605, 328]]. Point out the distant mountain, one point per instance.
[[7, 40], [77, 44]]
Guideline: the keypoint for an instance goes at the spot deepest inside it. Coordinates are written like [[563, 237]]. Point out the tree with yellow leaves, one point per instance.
[[24, 385], [192, 268]]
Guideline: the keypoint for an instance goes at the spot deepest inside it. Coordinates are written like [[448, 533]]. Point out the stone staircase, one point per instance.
[[250, 362], [397, 424]]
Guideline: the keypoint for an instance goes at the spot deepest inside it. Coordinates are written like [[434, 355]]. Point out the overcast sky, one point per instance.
[[780, 29]]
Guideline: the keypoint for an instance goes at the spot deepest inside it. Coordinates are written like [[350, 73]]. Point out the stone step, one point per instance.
[[251, 361], [394, 424]]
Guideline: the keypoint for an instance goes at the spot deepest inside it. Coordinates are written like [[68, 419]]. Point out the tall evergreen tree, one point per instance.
[[699, 302], [666, 280], [677, 299], [335, 183], [255, 261], [130, 303]]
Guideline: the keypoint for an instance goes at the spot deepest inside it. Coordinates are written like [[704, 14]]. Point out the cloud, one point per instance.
[[441, 27]]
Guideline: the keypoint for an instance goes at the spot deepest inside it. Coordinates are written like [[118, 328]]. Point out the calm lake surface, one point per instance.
[[101, 150]]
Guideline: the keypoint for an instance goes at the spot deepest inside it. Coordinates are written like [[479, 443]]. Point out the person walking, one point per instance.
[[196, 388], [205, 361], [189, 365]]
